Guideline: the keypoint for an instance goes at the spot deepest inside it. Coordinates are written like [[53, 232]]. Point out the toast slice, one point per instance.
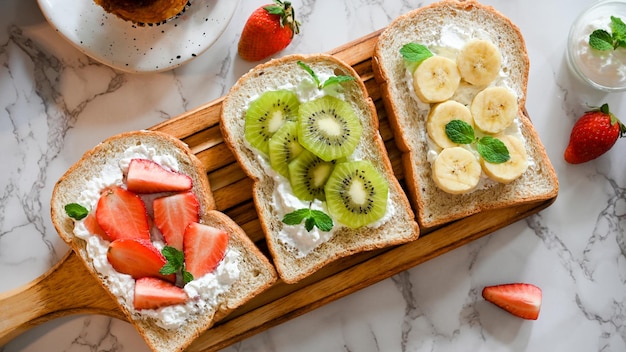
[[292, 262], [99, 168], [445, 27]]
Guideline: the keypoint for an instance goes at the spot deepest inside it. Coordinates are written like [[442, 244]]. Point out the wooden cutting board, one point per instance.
[[69, 289]]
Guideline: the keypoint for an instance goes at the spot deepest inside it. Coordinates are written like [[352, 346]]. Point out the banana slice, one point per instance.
[[456, 170], [479, 62], [436, 79], [440, 115], [494, 109], [513, 168]]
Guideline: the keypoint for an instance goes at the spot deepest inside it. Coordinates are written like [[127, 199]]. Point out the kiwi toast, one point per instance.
[[453, 78], [100, 185], [304, 129]]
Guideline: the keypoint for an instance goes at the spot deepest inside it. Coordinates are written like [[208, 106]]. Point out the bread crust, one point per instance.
[[271, 75], [144, 12], [257, 273], [425, 25]]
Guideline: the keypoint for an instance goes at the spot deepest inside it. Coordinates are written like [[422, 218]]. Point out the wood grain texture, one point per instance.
[[69, 289]]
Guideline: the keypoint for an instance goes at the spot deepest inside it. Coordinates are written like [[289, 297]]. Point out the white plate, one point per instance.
[[131, 48]]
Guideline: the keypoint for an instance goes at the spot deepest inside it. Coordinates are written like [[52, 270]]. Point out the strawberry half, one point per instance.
[[147, 176], [172, 215], [137, 258], [91, 224], [152, 293], [122, 214], [204, 247], [520, 299]]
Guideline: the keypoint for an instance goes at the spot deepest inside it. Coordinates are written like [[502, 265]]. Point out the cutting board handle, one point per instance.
[[67, 288]]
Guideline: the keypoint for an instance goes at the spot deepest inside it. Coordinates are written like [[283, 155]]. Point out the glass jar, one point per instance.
[[604, 70]]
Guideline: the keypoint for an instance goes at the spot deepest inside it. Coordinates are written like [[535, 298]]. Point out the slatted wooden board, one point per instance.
[[40, 300]]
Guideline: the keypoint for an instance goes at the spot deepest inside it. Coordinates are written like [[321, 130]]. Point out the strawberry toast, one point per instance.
[[139, 212]]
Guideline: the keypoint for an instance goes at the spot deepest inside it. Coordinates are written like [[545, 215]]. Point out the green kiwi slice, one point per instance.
[[284, 147], [308, 174], [356, 193], [267, 114], [328, 127]]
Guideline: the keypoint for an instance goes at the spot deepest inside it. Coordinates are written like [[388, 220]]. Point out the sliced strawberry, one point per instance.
[[122, 214], [152, 293], [204, 247], [173, 213], [137, 258], [146, 176], [520, 299], [91, 224]]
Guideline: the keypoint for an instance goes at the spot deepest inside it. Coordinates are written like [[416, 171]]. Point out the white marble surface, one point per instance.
[[55, 103]]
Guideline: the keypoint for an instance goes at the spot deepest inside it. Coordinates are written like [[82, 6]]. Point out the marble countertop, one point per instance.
[[56, 103]]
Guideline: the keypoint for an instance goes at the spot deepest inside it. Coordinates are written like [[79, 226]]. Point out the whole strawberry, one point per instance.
[[269, 30], [593, 135]]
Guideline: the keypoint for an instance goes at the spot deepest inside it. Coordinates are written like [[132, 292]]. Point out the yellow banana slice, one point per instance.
[[494, 109], [510, 170], [436, 79], [456, 170], [440, 115], [479, 62]]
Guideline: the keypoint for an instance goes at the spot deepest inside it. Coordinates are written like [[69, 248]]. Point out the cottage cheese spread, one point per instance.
[[203, 291]]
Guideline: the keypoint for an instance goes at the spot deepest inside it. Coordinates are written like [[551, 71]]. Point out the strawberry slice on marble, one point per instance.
[[204, 247], [520, 299], [153, 293], [137, 258], [147, 176], [172, 215], [122, 214]]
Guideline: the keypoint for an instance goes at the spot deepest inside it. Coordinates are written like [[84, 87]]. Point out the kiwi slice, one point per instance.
[[356, 193], [328, 127], [308, 174], [267, 114], [284, 147]]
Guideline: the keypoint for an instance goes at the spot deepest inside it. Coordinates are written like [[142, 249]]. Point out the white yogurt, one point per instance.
[[605, 70], [203, 291]]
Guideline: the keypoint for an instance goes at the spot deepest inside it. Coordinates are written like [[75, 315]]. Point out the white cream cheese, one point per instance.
[[203, 291], [448, 44]]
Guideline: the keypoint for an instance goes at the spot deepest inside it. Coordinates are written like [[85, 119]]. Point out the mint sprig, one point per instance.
[[414, 52], [76, 211], [311, 219], [489, 148], [175, 263], [602, 40], [330, 81]]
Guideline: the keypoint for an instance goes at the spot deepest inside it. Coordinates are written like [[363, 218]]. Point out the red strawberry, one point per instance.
[[137, 258], [152, 293], [122, 214], [91, 224], [593, 135], [173, 213], [146, 176], [520, 299], [269, 30], [204, 247]]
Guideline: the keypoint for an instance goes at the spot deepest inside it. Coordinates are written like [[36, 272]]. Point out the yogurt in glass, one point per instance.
[[603, 70]]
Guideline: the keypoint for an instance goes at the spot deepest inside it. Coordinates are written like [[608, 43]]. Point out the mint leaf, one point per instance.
[[601, 40], [311, 219], [460, 132], [414, 52], [310, 71], [492, 150], [618, 27], [337, 80], [76, 211], [175, 263]]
